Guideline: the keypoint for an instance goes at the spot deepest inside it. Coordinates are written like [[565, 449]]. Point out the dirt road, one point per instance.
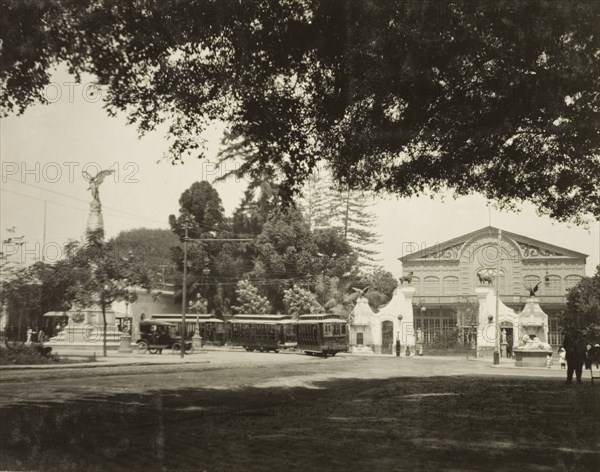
[[255, 412]]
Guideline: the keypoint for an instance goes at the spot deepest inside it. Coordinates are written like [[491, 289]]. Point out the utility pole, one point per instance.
[[44, 235], [497, 344], [184, 291]]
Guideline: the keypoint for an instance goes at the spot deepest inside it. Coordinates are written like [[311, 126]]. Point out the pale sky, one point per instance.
[[44, 151]]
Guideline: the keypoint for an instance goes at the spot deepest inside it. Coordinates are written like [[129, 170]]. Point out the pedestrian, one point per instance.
[[575, 348], [41, 336], [562, 355]]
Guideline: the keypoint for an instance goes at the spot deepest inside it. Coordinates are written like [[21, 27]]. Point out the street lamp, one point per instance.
[[197, 338], [398, 346], [126, 338], [497, 343]]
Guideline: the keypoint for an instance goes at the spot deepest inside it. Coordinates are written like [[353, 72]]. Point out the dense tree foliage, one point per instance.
[[285, 255], [200, 208], [249, 300], [581, 317], [254, 211], [477, 96], [27, 293], [299, 301], [154, 247], [381, 283], [214, 267]]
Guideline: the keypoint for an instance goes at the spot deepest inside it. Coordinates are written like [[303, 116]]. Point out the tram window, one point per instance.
[[327, 329]]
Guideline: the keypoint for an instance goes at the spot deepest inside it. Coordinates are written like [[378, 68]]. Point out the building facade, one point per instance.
[[446, 276]]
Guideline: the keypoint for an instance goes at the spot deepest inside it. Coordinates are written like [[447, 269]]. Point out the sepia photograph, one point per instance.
[[300, 235]]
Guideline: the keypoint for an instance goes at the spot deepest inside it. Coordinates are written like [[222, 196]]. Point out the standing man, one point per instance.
[[575, 348]]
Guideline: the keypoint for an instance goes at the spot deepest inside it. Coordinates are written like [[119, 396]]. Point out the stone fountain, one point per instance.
[[533, 349]]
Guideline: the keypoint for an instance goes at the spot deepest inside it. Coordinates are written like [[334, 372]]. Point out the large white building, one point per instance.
[[445, 278]]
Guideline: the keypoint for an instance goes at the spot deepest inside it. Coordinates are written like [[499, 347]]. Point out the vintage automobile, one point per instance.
[[156, 335]]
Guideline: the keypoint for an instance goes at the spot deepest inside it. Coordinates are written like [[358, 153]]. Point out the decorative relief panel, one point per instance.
[[448, 253], [530, 250]]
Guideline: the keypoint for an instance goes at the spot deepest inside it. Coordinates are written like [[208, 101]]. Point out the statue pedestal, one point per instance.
[[196, 341], [95, 221], [76, 337], [504, 350]]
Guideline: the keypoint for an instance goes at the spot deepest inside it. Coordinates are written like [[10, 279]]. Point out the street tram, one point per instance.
[[322, 334], [211, 329], [262, 332]]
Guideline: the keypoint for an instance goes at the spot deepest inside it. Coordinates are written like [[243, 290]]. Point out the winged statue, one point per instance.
[[533, 290], [95, 182], [361, 291]]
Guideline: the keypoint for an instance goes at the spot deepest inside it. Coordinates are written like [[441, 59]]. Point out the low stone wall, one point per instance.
[[531, 358]]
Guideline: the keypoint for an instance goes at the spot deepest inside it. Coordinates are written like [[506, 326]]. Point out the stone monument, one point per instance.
[[533, 349], [361, 327], [84, 332], [84, 329], [95, 221]]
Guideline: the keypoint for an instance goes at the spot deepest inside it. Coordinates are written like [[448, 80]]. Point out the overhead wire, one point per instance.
[[131, 215]]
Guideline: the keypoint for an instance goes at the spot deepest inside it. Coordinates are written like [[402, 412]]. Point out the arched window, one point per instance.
[[431, 285], [552, 285], [571, 281], [450, 285]]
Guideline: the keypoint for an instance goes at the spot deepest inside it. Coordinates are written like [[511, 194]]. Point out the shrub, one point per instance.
[[20, 354]]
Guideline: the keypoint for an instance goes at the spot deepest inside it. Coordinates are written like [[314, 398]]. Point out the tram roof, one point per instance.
[[189, 318], [244, 316], [155, 323], [262, 319], [321, 318]]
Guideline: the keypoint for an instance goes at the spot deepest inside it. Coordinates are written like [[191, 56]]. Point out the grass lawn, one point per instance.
[[418, 424]]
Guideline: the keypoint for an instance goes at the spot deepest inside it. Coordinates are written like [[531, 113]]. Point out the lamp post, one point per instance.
[[186, 226], [126, 338], [197, 339], [497, 343], [398, 345]]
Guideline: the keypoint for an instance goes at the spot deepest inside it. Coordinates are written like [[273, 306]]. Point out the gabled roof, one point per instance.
[[529, 247]]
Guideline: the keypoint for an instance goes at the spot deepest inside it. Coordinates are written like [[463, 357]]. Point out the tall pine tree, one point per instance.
[[348, 211]]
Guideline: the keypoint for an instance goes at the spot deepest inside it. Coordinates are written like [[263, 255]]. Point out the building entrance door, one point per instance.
[[506, 338], [387, 337]]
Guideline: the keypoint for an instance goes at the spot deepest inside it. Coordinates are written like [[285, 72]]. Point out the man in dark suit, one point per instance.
[[575, 348]]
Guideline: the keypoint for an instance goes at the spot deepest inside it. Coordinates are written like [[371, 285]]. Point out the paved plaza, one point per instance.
[[231, 410]]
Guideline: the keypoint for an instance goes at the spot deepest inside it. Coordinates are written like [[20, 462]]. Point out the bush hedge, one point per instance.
[[21, 354]]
